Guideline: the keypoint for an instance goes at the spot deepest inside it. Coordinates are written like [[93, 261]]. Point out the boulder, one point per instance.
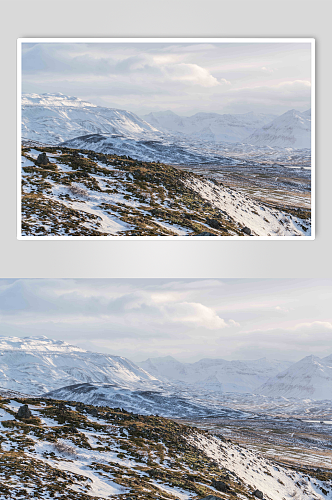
[[246, 230], [214, 223], [24, 412], [42, 159], [220, 486], [258, 494], [211, 497], [204, 233]]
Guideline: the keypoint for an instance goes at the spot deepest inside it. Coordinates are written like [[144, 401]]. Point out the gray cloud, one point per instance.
[[187, 318]]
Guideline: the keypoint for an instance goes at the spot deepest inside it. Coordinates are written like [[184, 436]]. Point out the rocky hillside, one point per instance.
[[58, 449], [70, 192]]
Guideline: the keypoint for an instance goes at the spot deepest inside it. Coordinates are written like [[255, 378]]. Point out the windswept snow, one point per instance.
[[275, 482], [259, 218]]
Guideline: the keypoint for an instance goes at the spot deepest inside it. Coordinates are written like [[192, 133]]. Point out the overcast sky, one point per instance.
[[183, 77], [189, 319]]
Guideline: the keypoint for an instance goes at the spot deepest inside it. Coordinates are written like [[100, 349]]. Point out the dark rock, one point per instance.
[[214, 223], [62, 408], [211, 497], [93, 412], [42, 159], [220, 486], [246, 230], [204, 233], [258, 494], [24, 412]]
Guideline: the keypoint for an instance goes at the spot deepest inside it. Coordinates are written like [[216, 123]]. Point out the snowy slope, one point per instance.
[[275, 482], [260, 219], [215, 374], [311, 377], [290, 130], [106, 184], [210, 126], [164, 149], [54, 118], [75, 452], [34, 365]]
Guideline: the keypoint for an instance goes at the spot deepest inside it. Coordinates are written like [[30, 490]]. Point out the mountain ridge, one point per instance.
[[47, 365]]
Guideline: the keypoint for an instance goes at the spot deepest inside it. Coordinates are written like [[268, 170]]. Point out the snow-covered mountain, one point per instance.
[[54, 118], [166, 402], [34, 365], [215, 374], [291, 130], [210, 126], [163, 149], [311, 377]]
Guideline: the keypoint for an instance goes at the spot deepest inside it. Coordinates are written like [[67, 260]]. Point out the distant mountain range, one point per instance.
[[210, 126], [216, 374], [292, 129], [54, 118], [37, 365], [311, 377]]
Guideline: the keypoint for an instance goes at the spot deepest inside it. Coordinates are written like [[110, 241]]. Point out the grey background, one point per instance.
[[160, 18]]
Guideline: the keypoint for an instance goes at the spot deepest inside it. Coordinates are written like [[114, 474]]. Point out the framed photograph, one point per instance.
[[205, 138]]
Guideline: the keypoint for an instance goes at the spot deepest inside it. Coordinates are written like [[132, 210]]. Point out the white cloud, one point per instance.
[[190, 73]]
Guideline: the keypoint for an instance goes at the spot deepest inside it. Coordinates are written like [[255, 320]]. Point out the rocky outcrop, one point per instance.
[[42, 159]]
